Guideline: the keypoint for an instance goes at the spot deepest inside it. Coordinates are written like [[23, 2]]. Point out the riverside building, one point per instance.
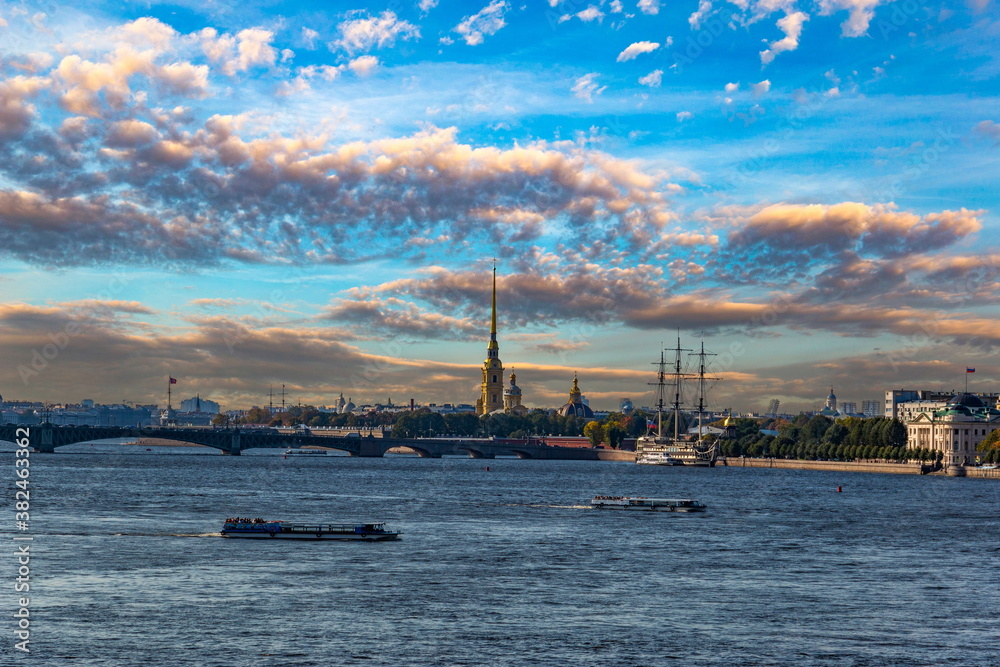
[[957, 429]]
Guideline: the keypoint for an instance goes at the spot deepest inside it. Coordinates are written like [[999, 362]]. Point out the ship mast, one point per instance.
[[701, 385], [660, 385], [678, 374]]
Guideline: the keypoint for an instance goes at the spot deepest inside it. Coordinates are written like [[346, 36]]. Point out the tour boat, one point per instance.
[[280, 530], [643, 504], [305, 452]]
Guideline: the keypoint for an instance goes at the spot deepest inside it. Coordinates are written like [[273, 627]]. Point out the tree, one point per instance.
[[895, 433], [836, 434], [991, 441], [222, 420], [814, 429], [462, 423], [418, 423], [613, 434], [594, 431], [257, 415]]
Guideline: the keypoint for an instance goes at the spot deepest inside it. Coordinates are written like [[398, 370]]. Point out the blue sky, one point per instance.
[[313, 194]]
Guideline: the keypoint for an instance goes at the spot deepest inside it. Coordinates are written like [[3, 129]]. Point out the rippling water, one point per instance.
[[502, 567]]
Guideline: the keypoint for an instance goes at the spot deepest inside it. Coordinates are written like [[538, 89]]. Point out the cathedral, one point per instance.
[[576, 407], [493, 397]]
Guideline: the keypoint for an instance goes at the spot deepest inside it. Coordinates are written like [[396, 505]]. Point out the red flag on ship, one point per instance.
[[173, 380]]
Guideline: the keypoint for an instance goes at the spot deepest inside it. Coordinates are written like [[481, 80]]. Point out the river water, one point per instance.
[[506, 566]]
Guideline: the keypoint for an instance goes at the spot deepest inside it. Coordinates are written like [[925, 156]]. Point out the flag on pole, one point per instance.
[[173, 380], [970, 370], [650, 423]]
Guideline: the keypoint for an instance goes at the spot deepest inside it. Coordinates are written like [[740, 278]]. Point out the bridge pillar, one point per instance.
[[41, 438], [234, 445], [369, 449]]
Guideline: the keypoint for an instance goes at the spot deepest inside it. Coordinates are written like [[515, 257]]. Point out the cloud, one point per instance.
[[16, 112], [696, 18], [634, 50], [760, 89], [987, 128], [487, 21], [653, 79], [791, 25], [427, 5], [233, 360], [684, 115], [591, 13], [395, 317], [309, 36], [305, 75], [131, 133], [794, 237], [247, 49], [89, 87], [559, 347], [651, 7], [363, 34], [208, 192], [364, 65], [636, 297], [732, 87], [147, 31], [586, 87], [861, 13]]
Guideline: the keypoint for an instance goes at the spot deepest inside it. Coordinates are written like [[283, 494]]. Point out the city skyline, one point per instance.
[[315, 196]]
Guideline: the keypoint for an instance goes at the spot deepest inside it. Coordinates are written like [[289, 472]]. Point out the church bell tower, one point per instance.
[[492, 393]]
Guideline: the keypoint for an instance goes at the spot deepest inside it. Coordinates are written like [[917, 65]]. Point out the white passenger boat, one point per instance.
[[643, 504], [305, 452], [657, 459], [280, 530]]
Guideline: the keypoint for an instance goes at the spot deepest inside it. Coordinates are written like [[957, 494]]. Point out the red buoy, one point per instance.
[[838, 489]]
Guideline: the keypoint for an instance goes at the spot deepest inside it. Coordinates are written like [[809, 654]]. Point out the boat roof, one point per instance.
[[640, 498]]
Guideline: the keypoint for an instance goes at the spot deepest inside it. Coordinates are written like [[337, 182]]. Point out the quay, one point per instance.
[[861, 466]]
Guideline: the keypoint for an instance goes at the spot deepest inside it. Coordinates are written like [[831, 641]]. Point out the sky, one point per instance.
[[245, 195]]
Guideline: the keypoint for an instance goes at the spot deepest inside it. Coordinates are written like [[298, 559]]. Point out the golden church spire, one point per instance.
[[493, 317], [491, 398]]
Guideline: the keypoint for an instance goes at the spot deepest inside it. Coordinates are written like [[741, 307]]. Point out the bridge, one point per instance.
[[46, 438]]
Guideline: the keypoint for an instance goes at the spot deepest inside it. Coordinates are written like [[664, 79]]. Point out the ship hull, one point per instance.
[[310, 536], [649, 509]]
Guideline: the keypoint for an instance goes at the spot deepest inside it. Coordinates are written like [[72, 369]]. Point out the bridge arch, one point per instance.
[[476, 453], [419, 451]]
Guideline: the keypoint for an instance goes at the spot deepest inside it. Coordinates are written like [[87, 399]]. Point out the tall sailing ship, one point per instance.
[[680, 448]]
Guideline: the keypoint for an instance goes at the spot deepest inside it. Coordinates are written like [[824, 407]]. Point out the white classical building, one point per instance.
[[957, 429]]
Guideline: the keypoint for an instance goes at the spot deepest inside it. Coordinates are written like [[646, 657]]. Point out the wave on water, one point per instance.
[[215, 534], [558, 507]]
